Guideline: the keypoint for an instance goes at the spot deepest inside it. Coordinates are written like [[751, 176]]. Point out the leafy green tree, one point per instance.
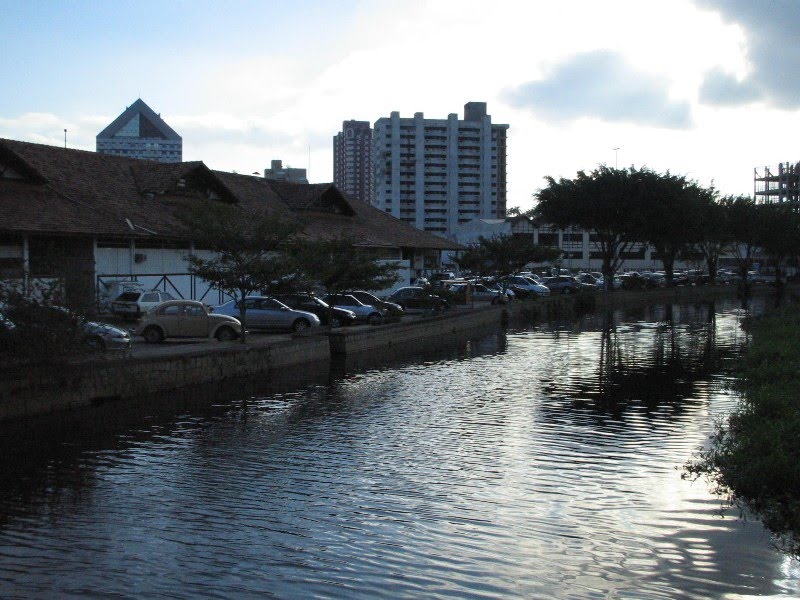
[[250, 251], [714, 231], [779, 234], [504, 255], [672, 216], [745, 228], [606, 202], [338, 264]]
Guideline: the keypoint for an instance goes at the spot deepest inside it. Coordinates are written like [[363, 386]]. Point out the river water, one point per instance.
[[540, 462]]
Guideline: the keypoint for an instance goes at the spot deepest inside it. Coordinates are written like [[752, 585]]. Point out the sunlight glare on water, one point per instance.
[[533, 463]]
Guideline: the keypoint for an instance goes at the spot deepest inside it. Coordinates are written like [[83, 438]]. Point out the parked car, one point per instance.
[[133, 304], [526, 286], [97, 337], [187, 319], [562, 284], [389, 308], [601, 283], [655, 279], [102, 337], [479, 292], [417, 299], [313, 304], [365, 313], [632, 280], [267, 313]]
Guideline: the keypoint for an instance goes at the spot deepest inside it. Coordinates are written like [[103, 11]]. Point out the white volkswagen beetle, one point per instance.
[[186, 319]]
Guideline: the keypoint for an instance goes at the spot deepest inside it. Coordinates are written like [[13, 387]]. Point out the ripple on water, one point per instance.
[[538, 463]]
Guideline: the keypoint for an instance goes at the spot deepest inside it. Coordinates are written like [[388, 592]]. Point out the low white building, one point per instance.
[[579, 252]]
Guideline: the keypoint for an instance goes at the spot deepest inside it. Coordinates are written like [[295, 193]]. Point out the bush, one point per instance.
[[35, 333], [755, 457]]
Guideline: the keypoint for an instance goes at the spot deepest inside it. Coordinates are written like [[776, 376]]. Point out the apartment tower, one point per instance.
[[438, 173], [352, 160]]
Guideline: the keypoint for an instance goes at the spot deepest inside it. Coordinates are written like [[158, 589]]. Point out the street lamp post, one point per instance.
[[616, 156]]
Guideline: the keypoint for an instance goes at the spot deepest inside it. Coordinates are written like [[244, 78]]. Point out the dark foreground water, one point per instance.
[[536, 463]]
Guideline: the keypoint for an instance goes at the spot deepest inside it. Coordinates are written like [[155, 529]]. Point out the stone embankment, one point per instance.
[[174, 366]]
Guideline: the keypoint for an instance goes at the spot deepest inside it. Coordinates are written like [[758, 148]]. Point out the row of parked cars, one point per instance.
[[295, 312]]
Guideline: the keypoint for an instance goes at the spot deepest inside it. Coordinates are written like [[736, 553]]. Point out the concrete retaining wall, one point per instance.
[[41, 391], [450, 323]]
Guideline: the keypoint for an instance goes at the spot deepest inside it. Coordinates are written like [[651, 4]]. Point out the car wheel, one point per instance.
[[375, 319], [225, 334], [336, 322], [300, 325], [496, 300], [153, 335], [565, 290]]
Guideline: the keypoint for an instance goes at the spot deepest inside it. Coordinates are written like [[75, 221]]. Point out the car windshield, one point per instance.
[[129, 296]]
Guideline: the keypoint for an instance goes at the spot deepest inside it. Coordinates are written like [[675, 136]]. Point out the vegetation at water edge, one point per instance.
[[754, 456]]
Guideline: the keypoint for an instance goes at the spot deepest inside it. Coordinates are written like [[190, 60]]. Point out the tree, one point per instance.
[[606, 202], [745, 230], [504, 255], [250, 250], [672, 216], [337, 264], [714, 233], [779, 234]]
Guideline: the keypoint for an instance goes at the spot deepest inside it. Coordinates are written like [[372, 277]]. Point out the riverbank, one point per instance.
[[159, 368], [754, 457]]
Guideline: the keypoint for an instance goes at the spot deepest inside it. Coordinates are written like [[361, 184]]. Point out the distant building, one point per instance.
[[777, 185], [352, 160], [438, 173], [277, 172], [141, 133]]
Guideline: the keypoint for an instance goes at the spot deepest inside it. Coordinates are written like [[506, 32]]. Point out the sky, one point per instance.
[[703, 88]]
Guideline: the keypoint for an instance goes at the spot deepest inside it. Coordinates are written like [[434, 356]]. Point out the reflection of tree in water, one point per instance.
[[651, 363]]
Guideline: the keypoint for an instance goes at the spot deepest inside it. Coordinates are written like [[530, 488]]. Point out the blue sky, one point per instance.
[[706, 88]]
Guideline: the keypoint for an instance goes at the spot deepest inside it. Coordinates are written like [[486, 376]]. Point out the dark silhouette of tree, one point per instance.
[[250, 252], [606, 202], [672, 216], [780, 234], [504, 255], [714, 232], [339, 264], [744, 227]]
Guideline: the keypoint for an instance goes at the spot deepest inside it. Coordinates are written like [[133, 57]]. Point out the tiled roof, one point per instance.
[[75, 192]]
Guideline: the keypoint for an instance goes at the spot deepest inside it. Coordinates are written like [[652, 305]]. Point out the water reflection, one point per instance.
[[512, 464], [654, 361]]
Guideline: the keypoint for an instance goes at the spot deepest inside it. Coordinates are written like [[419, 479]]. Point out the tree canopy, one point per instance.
[[504, 255], [250, 254], [605, 202], [336, 264]]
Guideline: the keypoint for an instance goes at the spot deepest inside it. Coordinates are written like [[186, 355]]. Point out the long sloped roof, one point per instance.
[[75, 192]]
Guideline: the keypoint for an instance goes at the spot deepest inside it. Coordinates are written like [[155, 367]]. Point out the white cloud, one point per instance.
[[237, 110]]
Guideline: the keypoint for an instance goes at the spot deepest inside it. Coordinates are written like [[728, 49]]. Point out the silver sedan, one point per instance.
[[263, 312]]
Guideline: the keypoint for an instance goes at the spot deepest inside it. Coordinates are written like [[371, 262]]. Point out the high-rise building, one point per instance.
[[438, 173], [352, 160], [141, 133]]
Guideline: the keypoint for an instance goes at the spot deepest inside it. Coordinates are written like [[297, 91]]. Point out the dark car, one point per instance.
[[310, 303], [365, 313], [417, 299], [390, 309], [562, 284]]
